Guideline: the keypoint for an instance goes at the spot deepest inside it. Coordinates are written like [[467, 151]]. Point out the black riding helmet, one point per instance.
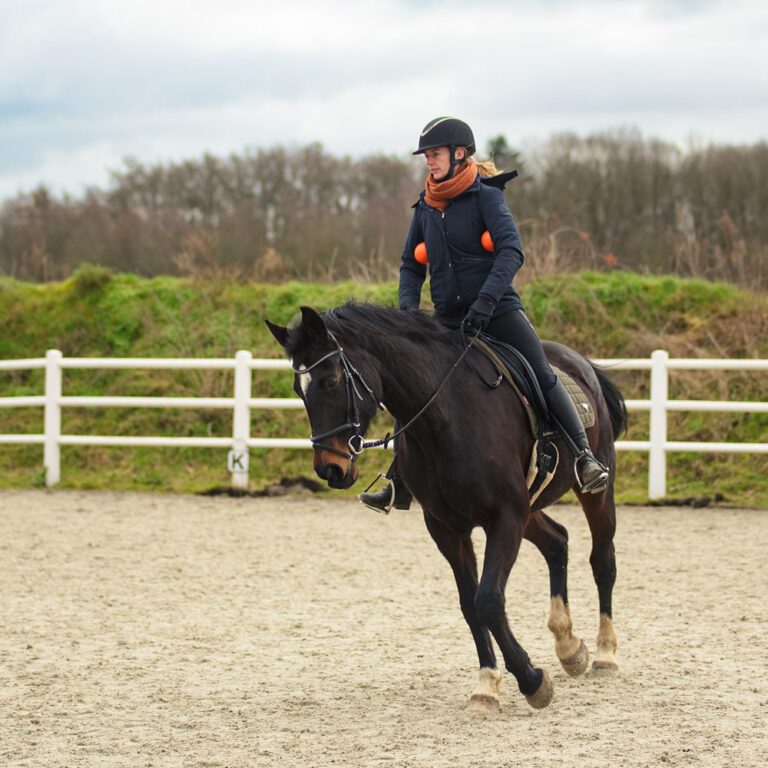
[[447, 132]]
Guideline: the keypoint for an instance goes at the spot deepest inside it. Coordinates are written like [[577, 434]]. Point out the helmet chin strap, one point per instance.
[[454, 164]]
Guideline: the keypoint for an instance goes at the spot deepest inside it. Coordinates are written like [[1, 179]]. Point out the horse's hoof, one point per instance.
[[485, 698], [604, 667], [577, 664], [483, 704], [543, 695]]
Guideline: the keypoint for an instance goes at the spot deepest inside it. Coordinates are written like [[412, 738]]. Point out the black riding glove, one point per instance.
[[480, 313]]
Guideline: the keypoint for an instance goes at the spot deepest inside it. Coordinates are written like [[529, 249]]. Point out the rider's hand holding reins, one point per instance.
[[480, 313]]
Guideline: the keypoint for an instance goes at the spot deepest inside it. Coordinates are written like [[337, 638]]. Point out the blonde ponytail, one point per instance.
[[487, 168]]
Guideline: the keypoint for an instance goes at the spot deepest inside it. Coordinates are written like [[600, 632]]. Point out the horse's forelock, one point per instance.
[[298, 342], [295, 339]]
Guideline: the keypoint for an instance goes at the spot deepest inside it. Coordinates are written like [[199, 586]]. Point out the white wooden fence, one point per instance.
[[241, 404]]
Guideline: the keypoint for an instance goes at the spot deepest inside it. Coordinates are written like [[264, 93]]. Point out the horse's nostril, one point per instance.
[[335, 475], [332, 473]]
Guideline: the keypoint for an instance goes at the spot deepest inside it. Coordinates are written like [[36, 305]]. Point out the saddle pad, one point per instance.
[[583, 407]]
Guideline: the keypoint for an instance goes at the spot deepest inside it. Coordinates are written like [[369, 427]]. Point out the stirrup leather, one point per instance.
[[391, 487], [597, 484]]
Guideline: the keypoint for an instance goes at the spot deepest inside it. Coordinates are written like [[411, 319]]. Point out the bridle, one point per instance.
[[352, 377], [356, 444]]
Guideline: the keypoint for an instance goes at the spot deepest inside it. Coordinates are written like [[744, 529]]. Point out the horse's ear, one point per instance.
[[278, 331], [313, 325]]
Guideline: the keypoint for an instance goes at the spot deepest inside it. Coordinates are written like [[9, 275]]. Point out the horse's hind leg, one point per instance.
[[600, 510], [458, 550], [551, 539]]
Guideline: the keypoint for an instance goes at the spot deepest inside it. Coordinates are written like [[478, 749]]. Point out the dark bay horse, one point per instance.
[[465, 459]]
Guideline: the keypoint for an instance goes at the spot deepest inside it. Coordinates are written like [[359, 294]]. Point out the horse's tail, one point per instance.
[[614, 400]]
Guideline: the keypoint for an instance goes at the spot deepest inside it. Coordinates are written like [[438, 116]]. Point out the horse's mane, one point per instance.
[[402, 338], [358, 318]]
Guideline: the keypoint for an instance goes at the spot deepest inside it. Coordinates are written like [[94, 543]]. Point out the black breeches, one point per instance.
[[514, 328]]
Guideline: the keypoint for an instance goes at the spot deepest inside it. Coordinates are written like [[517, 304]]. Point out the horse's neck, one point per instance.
[[410, 374]]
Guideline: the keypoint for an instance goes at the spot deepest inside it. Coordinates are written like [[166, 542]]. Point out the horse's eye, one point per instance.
[[331, 382]]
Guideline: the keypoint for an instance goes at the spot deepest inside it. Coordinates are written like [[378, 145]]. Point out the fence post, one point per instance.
[[241, 422], [657, 462], [52, 418]]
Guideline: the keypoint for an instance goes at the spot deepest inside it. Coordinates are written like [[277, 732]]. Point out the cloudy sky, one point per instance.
[[86, 83]]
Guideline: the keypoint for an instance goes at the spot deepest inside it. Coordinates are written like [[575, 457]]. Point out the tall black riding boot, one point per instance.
[[591, 475], [394, 494]]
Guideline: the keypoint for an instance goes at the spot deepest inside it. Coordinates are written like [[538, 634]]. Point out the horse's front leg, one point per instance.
[[458, 550], [503, 538]]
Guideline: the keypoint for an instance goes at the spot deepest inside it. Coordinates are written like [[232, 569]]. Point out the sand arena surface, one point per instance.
[[147, 630]]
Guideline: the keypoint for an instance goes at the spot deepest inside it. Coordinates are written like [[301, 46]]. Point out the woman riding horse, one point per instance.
[[469, 284]]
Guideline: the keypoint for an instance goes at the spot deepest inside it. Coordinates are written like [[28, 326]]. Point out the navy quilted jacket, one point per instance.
[[460, 269]]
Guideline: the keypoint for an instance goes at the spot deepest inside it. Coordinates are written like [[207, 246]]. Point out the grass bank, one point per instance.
[[95, 313]]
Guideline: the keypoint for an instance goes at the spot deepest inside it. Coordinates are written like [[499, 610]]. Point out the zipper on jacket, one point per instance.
[[450, 260], [445, 238]]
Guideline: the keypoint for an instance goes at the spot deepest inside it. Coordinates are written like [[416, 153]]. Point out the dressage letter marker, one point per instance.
[[237, 462]]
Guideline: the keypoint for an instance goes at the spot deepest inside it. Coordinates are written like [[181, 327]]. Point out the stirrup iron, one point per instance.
[[599, 483], [391, 487]]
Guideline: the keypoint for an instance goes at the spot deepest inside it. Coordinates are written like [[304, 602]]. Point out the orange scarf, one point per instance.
[[438, 193]]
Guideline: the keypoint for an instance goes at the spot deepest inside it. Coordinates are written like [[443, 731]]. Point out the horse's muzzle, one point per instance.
[[338, 472]]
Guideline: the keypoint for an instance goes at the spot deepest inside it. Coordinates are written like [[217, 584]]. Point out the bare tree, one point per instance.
[[608, 200]]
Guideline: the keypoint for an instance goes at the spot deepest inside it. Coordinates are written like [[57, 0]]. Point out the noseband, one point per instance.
[[351, 379]]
